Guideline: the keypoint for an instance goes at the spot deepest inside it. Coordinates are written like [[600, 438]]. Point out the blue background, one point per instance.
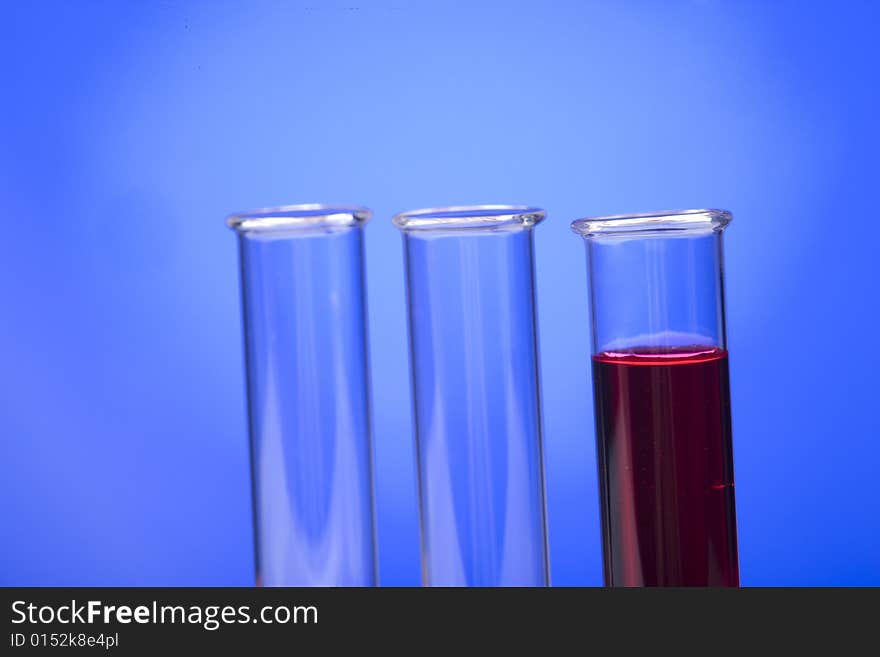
[[129, 130]]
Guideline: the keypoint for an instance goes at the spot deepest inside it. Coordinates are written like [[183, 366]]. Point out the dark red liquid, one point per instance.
[[666, 467]]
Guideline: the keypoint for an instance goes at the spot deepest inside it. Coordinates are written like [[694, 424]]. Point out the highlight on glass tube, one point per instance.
[[302, 285], [662, 398], [477, 413]]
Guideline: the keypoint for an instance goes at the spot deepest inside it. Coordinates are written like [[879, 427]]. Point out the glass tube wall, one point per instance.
[[477, 412], [305, 331], [662, 398]]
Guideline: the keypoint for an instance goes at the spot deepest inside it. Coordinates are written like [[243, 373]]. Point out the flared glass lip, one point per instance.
[[309, 216], [670, 221], [459, 217]]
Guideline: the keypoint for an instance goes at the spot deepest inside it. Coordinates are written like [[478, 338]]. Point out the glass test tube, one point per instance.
[[473, 350], [662, 398], [305, 333]]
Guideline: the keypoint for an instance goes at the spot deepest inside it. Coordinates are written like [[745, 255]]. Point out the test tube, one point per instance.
[[302, 286], [662, 398], [477, 412]]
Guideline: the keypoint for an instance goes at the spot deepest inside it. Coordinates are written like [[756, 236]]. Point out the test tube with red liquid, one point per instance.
[[662, 398]]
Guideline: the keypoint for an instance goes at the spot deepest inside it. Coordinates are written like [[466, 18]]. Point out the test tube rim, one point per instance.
[[309, 216], [469, 217], [667, 222]]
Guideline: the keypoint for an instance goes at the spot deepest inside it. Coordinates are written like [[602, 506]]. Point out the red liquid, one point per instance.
[[666, 467]]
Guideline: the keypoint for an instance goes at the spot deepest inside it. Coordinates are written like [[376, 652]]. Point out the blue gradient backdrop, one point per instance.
[[129, 130]]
